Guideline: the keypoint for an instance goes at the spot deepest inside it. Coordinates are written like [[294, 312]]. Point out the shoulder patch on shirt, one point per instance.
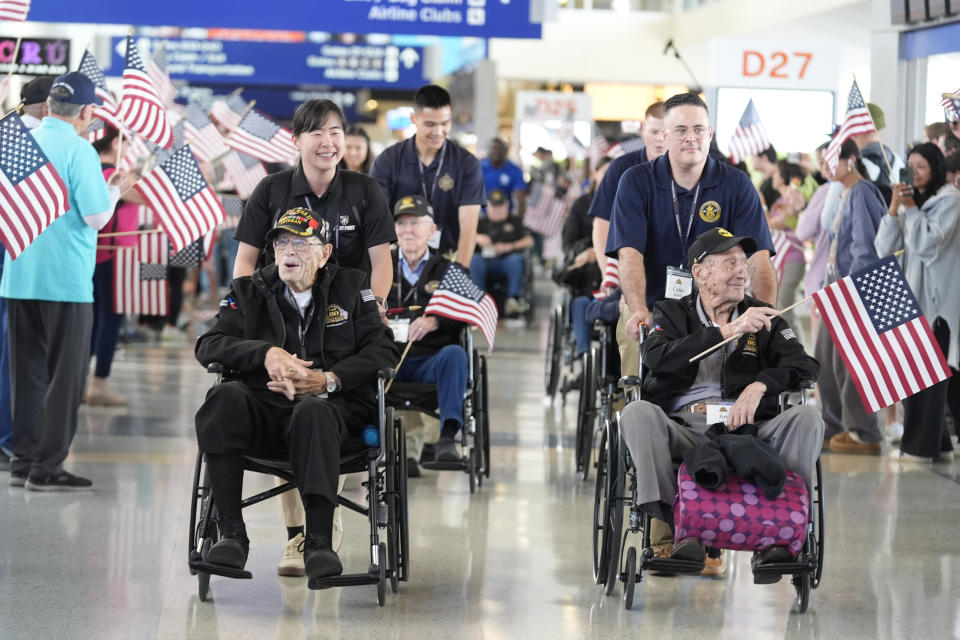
[[366, 295], [750, 347], [431, 286], [228, 302], [710, 211], [788, 334], [336, 315]]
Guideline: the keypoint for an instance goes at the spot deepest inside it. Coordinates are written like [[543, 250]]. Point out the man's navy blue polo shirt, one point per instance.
[[643, 215], [602, 203], [458, 183]]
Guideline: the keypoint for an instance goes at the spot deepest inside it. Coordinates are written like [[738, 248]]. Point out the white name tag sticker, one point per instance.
[[718, 412], [488, 252], [434, 242], [679, 283], [401, 329]]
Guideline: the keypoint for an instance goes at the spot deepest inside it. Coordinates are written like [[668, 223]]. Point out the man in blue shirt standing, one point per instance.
[[500, 173], [442, 171], [662, 206], [49, 292]]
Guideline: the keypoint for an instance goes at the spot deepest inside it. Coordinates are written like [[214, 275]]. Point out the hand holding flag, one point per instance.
[[458, 298]]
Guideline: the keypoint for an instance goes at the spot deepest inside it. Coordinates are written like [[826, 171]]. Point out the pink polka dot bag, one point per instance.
[[738, 516]]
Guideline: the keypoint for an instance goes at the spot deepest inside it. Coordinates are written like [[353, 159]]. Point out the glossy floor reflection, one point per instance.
[[512, 561]]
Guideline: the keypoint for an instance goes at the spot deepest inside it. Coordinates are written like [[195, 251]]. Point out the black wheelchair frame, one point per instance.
[[599, 391], [475, 433], [386, 509], [496, 286], [616, 490]]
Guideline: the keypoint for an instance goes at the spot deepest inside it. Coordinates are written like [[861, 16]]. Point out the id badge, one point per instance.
[[488, 252], [401, 329], [434, 242], [679, 283], [718, 412]]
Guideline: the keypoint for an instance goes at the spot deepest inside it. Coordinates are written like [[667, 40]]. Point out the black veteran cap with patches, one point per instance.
[[300, 222], [717, 240], [497, 197], [412, 206]]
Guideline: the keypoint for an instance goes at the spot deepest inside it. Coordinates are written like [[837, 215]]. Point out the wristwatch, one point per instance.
[[331, 381]]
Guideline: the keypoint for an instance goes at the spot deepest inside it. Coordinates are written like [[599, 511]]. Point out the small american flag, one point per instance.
[[136, 152], [179, 141], [14, 10], [31, 191], [458, 298], [881, 334], [857, 121], [227, 110], [781, 244], [185, 205], [189, 257], [951, 102], [749, 138], [156, 68], [545, 215], [140, 277], [243, 172], [573, 146], [141, 107], [611, 279], [107, 112], [598, 149], [202, 134], [233, 209], [261, 137]]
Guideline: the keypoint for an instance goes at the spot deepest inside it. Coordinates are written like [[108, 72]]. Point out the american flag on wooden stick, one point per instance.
[[261, 137], [14, 10], [244, 172], [107, 112], [458, 298], [227, 110], [141, 107], [881, 334], [611, 279], [140, 277], [598, 149], [749, 138], [202, 134], [184, 204], [156, 68], [857, 121], [31, 191], [233, 208], [545, 215]]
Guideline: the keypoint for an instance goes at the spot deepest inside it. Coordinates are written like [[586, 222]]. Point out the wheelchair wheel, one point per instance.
[[485, 415], [382, 584], [209, 536], [554, 347], [392, 496], [402, 525], [600, 515], [586, 414], [819, 537], [472, 469], [614, 522], [630, 580]]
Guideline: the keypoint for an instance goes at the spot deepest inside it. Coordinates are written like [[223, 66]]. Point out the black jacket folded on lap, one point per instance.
[[748, 456]]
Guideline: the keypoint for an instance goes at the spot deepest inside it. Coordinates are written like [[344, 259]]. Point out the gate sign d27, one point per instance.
[[773, 64]]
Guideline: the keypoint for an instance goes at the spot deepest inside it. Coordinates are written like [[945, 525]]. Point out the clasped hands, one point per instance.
[[291, 376]]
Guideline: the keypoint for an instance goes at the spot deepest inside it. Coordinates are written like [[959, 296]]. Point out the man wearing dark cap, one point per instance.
[[305, 339], [33, 101], [501, 240], [742, 379], [435, 355], [49, 292]]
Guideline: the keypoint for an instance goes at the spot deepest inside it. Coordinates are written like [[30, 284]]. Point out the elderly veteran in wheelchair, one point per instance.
[[744, 377], [302, 341]]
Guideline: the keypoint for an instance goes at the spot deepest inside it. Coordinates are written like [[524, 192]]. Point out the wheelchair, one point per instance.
[[475, 433], [386, 509], [599, 393], [497, 288], [558, 373], [615, 492]]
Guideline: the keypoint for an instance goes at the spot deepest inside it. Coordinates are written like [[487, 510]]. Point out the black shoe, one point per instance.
[[4, 461], [18, 478], [446, 450], [231, 550], [427, 454], [771, 556], [319, 559], [63, 481], [689, 549], [413, 469]]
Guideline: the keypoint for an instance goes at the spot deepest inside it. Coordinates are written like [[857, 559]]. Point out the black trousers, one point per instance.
[[49, 356], [925, 430], [234, 419]]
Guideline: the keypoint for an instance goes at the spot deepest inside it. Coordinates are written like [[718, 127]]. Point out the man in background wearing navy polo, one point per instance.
[[442, 171], [662, 206], [49, 292], [500, 173]]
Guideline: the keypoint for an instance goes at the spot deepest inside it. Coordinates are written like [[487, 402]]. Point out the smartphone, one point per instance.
[[906, 175]]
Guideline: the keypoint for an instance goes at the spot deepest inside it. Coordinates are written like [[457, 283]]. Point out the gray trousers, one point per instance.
[[840, 402], [655, 440], [49, 358]]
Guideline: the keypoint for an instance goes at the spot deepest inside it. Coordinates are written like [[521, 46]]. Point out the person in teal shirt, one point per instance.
[[49, 292]]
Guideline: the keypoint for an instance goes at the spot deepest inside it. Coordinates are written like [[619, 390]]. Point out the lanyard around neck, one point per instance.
[[436, 176], [684, 239]]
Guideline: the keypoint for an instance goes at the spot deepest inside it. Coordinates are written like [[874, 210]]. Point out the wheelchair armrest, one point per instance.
[[806, 383], [215, 367], [630, 381], [387, 373]]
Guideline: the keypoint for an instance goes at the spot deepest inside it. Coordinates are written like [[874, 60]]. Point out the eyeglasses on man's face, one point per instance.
[[682, 132], [298, 244]]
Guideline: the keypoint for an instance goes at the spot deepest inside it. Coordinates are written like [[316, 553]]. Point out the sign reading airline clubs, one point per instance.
[[37, 56]]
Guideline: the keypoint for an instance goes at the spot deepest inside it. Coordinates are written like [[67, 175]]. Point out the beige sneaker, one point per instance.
[[714, 567], [291, 564], [337, 531], [98, 393]]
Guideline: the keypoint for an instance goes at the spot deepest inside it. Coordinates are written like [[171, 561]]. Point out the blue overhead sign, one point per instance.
[[479, 18], [242, 63]]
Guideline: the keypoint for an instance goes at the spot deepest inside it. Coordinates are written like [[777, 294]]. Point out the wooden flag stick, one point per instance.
[[242, 116], [235, 92], [883, 151], [118, 234], [399, 364], [13, 60]]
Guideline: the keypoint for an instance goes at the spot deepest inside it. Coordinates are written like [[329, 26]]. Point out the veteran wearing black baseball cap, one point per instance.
[[301, 248], [33, 101], [718, 240], [414, 205]]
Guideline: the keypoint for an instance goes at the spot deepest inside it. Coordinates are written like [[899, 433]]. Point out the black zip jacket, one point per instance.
[[775, 358], [403, 294], [342, 333]]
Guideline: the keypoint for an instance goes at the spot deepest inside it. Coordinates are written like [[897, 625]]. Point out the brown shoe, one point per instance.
[[714, 567], [663, 550], [105, 398], [846, 442]]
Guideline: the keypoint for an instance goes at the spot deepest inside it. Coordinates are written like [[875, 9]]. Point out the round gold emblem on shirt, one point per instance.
[[446, 182]]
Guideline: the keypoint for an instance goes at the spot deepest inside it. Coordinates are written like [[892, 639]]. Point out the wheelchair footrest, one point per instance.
[[219, 570], [445, 465], [372, 576], [798, 567], [671, 565]]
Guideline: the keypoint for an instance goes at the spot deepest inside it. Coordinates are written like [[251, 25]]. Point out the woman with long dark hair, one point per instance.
[[924, 221], [357, 154]]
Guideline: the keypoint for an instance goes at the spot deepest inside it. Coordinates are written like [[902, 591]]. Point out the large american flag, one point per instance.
[[141, 107], [749, 138], [857, 121], [31, 191], [140, 277], [881, 334], [243, 172], [107, 112], [14, 10], [202, 134], [261, 137], [227, 110], [156, 68], [185, 205], [458, 298], [545, 214]]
